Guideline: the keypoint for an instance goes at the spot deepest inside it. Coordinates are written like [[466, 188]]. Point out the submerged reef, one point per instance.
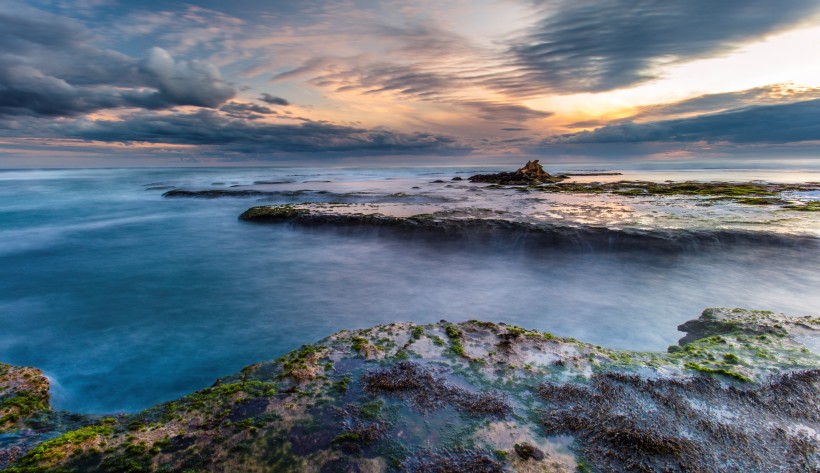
[[740, 392]]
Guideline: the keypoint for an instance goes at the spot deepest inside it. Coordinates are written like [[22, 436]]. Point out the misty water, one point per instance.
[[125, 298]]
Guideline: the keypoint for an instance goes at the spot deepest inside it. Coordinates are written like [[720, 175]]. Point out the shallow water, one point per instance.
[[127, 299]]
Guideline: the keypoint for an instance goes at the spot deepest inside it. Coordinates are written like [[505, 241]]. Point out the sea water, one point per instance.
[[126, 298]]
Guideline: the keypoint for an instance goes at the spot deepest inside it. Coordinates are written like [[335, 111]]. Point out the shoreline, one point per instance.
[[338, 405]]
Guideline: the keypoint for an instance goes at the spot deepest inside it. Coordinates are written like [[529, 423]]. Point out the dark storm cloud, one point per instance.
[[209, 128], [273, 100], [49, 67], [783, 123], [27, 91], [583, 46]]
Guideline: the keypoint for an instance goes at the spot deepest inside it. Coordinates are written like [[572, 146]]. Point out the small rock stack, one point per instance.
[[530, 174]]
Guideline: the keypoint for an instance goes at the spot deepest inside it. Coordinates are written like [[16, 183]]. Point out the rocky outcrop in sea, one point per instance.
[[531, 173]]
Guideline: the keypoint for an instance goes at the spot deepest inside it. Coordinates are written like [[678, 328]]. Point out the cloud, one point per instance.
[[49, 66], [595, 122], [709, 103], [501, 112], [249, 111], [25, 90], [782, 123], [273, 100], [179, 28], [192, 82], [372, 78], [406, 64], [582, 46], [210, 129], [772, 94], [419, 83], [571, 47]]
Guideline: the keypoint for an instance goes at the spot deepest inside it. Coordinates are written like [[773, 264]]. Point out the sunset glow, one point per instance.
[[317, 81]]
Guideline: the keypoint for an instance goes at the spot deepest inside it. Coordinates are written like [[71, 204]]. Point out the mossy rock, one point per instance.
[[480, 396], [273, 213]]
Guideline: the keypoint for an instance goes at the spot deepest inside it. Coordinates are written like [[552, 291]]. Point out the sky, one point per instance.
[[206, 82]]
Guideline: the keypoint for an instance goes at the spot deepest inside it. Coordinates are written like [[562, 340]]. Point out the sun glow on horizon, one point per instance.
[[778, 59]]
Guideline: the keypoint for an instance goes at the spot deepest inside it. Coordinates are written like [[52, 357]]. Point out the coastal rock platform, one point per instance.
[[740, 392], [466, 225]]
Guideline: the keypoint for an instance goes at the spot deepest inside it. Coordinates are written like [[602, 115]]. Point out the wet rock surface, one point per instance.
[[475, 225], [749, 193], [527, 451], [24, 392], [740, 392], [26, 417], [528, 195]]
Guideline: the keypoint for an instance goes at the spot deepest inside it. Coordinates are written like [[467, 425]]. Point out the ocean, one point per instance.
[[126, 298]]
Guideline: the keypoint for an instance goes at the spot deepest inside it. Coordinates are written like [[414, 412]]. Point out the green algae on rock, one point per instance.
[[26, 417], [273, 213], [24, 392], [741, 391], [812, 206]]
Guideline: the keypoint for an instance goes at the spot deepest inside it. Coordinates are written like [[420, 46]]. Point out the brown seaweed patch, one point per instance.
[[427, 391], [361, 425], [627, 423]]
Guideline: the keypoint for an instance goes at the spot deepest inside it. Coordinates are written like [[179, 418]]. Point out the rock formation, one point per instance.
[[741, 392], [530, 174]]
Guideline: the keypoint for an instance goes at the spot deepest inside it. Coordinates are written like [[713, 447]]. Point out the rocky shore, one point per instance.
[[740, 392], [477, 225]]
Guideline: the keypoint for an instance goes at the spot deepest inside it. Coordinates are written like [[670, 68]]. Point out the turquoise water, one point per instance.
[[126, 298]]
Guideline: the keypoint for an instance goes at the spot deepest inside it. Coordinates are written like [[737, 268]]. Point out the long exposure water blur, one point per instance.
[[125, 298]]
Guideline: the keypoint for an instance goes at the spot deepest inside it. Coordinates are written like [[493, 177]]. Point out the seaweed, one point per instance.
[[428, 392], [627, 423]]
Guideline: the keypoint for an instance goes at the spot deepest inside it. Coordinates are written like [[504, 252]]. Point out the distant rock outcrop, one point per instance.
[[530, 173], [534, 170]]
